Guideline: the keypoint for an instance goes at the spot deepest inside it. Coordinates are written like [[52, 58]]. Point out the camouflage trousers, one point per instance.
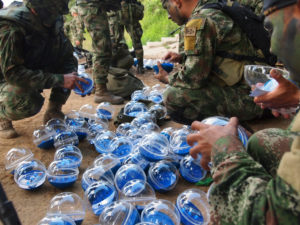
[[268, 146], [135, 32], [186, 105], [96, 23], [17, 103]]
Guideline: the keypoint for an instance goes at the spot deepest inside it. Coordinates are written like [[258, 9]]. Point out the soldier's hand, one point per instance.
[[205, 138], [162, 74], [172, 57], [285, 95], [71, 80]]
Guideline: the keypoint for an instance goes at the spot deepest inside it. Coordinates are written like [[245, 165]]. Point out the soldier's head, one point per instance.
[[48, 10], [284, 18], [179, 10]]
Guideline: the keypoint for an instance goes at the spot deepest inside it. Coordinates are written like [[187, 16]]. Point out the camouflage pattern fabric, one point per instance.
[[133, 28], [185, 105], [207, 32], [30, 63], [76, 28], [244, 193], [268, 146], [96, 22]]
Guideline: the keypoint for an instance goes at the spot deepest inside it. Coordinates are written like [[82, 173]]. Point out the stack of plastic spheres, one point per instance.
[[119, 213], [193, 207], [105, 110], [163, 176], [222, 121], [161, 212], [67, 204], [99, 195], [77, 124], [87, 87]]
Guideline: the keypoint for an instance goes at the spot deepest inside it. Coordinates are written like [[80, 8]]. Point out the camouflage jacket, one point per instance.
[[243, 193], [32, 56], [207, 32]]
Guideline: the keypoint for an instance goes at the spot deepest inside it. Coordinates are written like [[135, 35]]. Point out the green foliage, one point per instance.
[[155, 23]]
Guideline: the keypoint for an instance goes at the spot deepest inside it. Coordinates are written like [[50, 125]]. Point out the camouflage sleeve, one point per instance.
[[12, 61], [243, 193], [200, 40]]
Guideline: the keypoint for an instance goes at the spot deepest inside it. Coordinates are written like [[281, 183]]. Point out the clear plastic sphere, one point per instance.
[[154, 147], [70, 155], [56, 220], [130, 179], [178, 142], [193, 207], [61, 176], [141, 199], [99, 195], [108, 161], [43, 137], [94, 130], [258, 74], [155, 96], [121, 147], [103, 140], [143, 118], [159, 111], [145, 223], [149, 127], [123, 128], [137, 159], [86, 87], [15, 156], [138, 95], [68, 204], [222, 121], [119, 213], [105, 110], [133, 108], [191, 170], [65, 138], [163, 176], [77, 124], [135, 136], [94, 174], [87, 111], [168, 132], [30, 174], [55, 122], [162, 212]]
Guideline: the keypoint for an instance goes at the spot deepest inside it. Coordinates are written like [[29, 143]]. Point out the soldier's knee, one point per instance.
[[23, 106]]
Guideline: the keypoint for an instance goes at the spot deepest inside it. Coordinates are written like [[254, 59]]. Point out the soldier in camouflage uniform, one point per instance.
[[76, 27], [34, 55], [93, 13], [246, 191], [209, 84]]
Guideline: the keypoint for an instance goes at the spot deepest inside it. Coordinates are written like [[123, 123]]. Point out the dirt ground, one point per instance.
[[32, 205]]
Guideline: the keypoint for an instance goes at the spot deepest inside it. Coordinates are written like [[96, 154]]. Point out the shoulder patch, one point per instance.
[[197, 23]]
